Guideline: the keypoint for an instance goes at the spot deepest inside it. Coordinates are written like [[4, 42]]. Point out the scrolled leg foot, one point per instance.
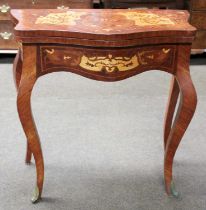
[[36, 195], [174, 192]]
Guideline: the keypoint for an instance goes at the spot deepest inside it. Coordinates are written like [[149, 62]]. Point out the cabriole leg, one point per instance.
[[27, 82], [185, 112], [17, 69], [17, 72], [172, 101]]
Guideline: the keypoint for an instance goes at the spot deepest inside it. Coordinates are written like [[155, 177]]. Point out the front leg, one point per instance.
[[17, 72], [185, 112], [17, 69], [172, 101], [27, 82]]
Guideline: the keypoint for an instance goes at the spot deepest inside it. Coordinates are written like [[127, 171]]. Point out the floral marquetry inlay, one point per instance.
[[66, 18], [109, 63], [147, 19], [70, 18], [105, 62], [112, 63]]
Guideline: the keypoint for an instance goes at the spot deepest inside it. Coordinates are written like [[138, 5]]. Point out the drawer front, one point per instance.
[[109, 64], [198, 5], [200, 40], [6, 5], [6, 36], [198, 19]]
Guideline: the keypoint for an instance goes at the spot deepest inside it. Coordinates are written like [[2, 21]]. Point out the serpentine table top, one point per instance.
[[107, 27], [105, 45]]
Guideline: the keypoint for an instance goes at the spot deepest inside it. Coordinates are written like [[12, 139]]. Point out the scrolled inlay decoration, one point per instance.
[[147, 19], [62, 18], [109, 63]]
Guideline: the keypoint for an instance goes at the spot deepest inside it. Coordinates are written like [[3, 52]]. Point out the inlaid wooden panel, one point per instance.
[[108, 63], [198, 19], [110, 25]]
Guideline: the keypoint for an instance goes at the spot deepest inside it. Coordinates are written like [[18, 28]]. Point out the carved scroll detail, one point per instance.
[[50, 51], [166, 50], [67, 57], [109, 63]]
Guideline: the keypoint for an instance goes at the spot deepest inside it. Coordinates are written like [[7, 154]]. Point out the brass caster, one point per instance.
[[174, 192], [36, 196]]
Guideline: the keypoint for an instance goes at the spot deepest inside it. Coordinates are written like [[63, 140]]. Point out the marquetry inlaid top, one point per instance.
[[102, 24]]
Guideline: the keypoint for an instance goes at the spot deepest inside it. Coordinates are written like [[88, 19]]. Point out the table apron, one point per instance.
[[106, 64]]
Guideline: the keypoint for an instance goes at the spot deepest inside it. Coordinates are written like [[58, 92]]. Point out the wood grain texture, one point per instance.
[[28, 79], [5, 21], [172, 101], [185, 112], [102, 25], [43, 4], [106, 55], [198, 4], [106, 64], [200, 40], [17, 72], [198, 19], [197, 10], [17, 69]]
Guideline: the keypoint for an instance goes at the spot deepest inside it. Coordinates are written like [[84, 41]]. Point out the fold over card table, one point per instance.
[[105, 45]]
